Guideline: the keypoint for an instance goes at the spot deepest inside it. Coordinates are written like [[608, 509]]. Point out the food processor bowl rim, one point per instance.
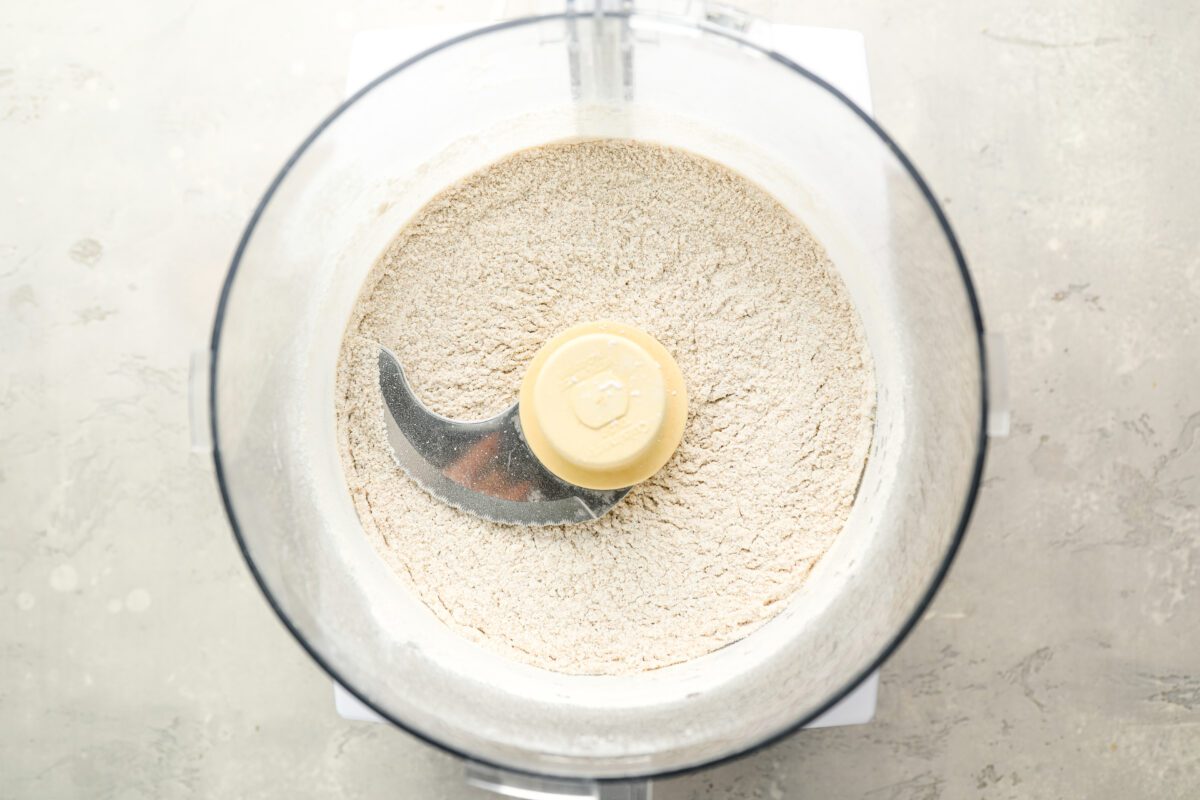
[[969, 500]]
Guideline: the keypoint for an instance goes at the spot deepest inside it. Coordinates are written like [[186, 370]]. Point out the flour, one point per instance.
[[779, 379]]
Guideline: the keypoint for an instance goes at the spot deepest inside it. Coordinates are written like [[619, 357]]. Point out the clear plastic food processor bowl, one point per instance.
[[441, 115]]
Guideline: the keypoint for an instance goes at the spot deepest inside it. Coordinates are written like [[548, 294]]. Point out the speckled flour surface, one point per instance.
[[779, 380]]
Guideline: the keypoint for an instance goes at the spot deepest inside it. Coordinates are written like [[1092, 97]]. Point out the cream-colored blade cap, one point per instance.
[[603, 405]]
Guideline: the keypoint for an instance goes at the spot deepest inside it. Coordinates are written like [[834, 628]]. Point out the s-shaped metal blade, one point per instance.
[[484, 468]]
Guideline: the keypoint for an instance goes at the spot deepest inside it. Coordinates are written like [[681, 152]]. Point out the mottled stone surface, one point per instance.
[[1062, 658]]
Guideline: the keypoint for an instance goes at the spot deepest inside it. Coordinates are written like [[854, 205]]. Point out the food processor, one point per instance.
[[689, 75]]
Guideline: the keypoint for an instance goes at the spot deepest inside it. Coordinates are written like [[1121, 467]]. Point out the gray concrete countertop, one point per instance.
[[137, 659]]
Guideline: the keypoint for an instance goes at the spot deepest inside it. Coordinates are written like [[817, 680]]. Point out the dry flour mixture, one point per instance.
[[772, 352]]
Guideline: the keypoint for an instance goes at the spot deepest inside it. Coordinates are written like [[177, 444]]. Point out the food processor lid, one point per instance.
[[236, 457]]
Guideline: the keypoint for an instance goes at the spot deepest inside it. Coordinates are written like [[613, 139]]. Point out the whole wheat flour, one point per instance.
[[780, 385]]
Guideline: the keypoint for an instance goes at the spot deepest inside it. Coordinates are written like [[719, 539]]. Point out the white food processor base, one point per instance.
[[838, 56], [856, 708]]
